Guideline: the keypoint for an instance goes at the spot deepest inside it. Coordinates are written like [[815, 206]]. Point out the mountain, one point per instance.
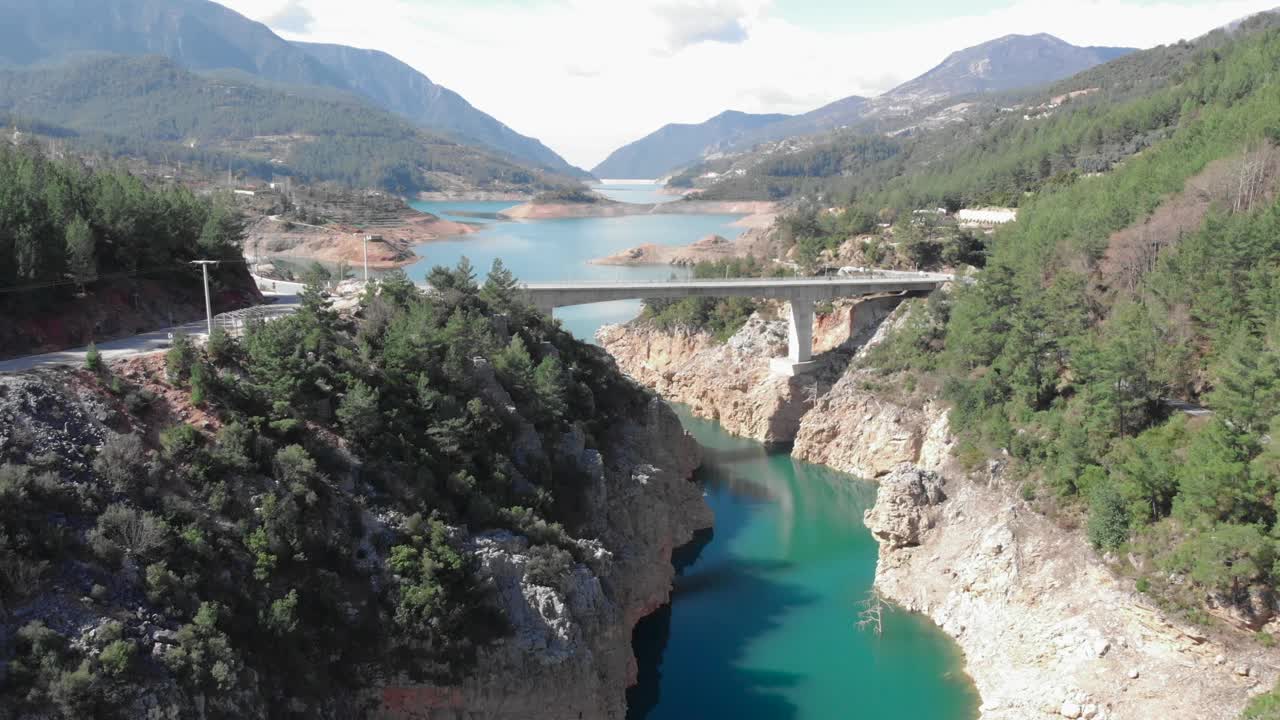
[[204, 36], [1007, 63], [676, 145], [149, 107], [196, 34], [395, 86]]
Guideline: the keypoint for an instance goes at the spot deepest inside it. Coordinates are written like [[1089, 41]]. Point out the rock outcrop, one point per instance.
[[731, 382], [858, 429], [569, 654], [1047, 629], [908, 494]]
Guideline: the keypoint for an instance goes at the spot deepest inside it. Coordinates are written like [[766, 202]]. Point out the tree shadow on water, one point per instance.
[[721, 603]]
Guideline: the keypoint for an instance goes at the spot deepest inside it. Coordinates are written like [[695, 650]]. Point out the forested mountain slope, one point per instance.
[[335, 511], [204, 36], [1112, 295], [152, 108], [393, 85], [677, 145], [992, 151]]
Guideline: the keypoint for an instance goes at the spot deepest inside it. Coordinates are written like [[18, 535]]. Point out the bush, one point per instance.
[[1108, 518], [122, 462], [92, 358], [116, 658], [125, 533], [179, 442], [178, 360], [221, 347]]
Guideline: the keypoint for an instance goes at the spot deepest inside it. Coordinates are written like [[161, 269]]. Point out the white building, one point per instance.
[[987, 216]]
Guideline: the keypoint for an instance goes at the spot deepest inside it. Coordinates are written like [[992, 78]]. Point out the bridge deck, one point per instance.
[[559, 294]]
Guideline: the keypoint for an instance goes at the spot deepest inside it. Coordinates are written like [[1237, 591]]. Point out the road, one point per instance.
[[150, 342]]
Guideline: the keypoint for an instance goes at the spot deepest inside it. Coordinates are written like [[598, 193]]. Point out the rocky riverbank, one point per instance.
[[1049, 629], [271, 236], [757, 240]]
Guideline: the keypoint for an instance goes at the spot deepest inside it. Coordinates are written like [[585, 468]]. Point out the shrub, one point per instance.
[[122, 461], [123, 532], [548, 565], [1108, 518], [178, 360], [116, 658], [220, 347], [92, 358], [204, 658], [179, 442]]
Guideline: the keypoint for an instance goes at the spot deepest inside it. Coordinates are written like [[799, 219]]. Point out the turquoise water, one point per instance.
[[559, 250], [643, 193], [762, 624]]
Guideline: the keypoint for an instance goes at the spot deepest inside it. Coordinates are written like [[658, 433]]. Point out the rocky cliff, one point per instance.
[[731, 382], [1048, 628], [569, 655]]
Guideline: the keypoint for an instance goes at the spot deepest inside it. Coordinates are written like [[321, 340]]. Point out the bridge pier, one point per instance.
[[799, 359]]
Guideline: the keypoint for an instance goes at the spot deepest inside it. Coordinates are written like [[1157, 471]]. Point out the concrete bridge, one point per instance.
[[801, 293]]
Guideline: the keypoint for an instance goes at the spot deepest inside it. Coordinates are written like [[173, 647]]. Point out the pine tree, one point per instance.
[[1247, 383], [550, 387], [82, 261], [500, 286]]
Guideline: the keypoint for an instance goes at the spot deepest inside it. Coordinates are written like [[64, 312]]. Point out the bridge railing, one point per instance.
[[904, 276]]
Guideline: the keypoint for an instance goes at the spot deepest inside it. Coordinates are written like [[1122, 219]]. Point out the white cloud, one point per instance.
[[587, 76], [690, 23], [293, 17]]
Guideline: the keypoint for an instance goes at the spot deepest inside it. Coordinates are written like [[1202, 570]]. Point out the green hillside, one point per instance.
[[150, 107], [1069, 348]]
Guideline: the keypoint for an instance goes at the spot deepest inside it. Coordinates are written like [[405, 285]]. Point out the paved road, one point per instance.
[[156, 341]]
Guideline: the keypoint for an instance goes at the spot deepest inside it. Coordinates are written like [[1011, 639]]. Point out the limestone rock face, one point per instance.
[[731, 382], [728, 382], [1047, 629], [909, 493], [859, 426]]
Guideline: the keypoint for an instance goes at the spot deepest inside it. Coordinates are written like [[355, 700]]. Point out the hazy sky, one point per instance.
[[587, 76]]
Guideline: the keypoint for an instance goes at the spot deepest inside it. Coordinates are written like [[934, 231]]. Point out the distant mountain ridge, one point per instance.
[[678, 144], [204, 36], [1005, 63], [394, 85]]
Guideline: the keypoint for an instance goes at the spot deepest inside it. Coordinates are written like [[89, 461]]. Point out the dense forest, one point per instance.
[[310, 544], [151, 108], [1073, 346], [90, 254]]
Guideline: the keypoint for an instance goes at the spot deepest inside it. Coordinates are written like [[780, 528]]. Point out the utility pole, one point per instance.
[[208, 306], [367, 238]]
